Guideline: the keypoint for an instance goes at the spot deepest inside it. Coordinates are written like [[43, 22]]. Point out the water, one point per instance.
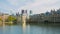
[[29, 29]]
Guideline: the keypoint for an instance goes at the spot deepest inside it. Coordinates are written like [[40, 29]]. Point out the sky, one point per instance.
[[37, 6]]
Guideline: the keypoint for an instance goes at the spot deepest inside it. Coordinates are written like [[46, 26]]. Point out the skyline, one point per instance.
[[37, 6]]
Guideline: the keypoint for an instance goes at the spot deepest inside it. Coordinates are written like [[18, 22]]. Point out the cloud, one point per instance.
[[44, 5], [13, 2], [37, 6]]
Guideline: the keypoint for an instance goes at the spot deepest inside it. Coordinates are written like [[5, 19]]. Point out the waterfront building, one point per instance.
[[52, 17]]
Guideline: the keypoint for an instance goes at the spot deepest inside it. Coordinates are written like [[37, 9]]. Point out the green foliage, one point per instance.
[[11, 18], [0, 19]]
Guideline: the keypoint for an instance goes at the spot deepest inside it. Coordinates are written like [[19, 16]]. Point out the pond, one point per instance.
[[29, 29]]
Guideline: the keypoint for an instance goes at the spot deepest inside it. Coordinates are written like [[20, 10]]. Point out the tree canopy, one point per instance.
[[11, 18]]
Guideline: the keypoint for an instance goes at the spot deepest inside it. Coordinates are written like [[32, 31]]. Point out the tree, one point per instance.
[[0, 19], [11, 18]]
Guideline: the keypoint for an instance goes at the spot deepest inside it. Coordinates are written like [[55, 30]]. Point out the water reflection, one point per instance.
[[11, 30], [26, 28], [3, 28], [24, 24], [29, 29], [6, 29]]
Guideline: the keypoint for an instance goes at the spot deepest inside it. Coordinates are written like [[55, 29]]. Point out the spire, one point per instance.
[[22, 12], [30, 12]]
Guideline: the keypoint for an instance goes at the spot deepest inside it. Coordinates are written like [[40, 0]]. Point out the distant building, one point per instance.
[[4, 16], [53, 16], [47, 14]]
